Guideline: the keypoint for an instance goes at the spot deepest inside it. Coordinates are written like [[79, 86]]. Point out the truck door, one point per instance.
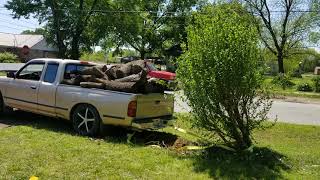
[[23, 89], [47, 90]]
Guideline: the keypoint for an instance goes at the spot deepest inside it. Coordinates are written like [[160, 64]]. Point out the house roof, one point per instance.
[[20, 40]]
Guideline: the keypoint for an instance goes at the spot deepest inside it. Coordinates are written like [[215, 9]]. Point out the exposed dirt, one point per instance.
[[161, 139]]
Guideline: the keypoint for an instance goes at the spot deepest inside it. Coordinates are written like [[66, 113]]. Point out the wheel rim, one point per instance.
[[84, 119]]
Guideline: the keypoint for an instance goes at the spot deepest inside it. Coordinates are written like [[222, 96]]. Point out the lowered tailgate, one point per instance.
[[154, 105]]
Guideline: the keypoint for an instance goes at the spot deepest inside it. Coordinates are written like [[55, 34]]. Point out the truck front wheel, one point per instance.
[[86, 120], [3, 107]]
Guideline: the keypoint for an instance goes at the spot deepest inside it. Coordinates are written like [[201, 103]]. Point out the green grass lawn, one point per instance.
[[292, 91], [50, 150], [2, 73]]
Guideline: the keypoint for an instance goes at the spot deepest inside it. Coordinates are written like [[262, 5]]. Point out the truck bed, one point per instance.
[[113, 105]]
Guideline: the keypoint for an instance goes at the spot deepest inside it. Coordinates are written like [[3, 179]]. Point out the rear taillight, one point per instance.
[[132, 109]]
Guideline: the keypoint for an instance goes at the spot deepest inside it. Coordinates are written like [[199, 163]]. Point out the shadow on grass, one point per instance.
[[261, 163], [22, 118], [110, 133]]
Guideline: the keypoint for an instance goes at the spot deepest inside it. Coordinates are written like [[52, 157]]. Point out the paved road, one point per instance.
[[290, 112]]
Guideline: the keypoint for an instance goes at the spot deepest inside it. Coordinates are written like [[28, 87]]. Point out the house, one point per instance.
[[27, 46]]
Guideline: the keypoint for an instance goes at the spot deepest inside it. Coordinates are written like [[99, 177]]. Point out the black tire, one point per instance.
[[86, 120]]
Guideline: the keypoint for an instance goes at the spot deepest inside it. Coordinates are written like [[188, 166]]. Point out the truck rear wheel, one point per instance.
[[86, 120]]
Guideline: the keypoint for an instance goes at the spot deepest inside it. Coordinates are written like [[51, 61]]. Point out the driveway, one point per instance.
[[289, 112]]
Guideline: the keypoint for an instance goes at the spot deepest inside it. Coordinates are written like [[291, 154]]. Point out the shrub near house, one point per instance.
[[8, 58]]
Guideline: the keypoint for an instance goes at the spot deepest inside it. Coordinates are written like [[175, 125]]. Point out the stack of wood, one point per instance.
[[130, 77]]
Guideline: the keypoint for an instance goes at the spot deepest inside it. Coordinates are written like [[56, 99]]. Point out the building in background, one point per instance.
[[27, 46]]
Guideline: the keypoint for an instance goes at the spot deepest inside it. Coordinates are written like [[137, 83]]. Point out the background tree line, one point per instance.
[[75, 26], [158, 27]]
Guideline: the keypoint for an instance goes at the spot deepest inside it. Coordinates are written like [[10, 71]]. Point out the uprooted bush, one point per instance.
[[8, 58], [283, 81], [305, 87], [220, 74]]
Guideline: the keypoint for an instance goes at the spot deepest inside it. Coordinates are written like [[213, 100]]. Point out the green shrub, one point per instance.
[[8, 58], [316, 83], [98, 57], [282, 80], [310, 65], [305, 87], [220, 74], [291, 64]]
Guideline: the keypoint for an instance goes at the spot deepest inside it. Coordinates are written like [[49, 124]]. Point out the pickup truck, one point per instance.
[[37, 88]]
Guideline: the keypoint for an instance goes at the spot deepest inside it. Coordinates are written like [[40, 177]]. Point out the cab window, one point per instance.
[[51, 72], [31, 72], [72, 70]]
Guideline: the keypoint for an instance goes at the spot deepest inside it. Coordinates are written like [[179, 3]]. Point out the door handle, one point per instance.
[[33, 87]]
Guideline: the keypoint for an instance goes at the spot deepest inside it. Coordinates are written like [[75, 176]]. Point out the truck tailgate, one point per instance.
[[154, 105]]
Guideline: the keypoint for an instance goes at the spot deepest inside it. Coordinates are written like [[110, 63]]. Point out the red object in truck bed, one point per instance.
[[154, 73], [162, 75]]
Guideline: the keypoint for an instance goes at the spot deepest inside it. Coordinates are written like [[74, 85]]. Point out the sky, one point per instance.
[[14, 26]]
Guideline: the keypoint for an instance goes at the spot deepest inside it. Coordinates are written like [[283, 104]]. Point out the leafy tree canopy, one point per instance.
[[66, 21], [37, 31], [149, 26]]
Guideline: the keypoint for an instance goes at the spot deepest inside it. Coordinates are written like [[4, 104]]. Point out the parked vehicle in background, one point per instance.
[[129, 59], [37, 88]]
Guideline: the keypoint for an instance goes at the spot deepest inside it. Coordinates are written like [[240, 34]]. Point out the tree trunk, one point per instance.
[[129, 87], [56, 21], [92, 85], [247, 140], [142, 54], [280, 63], [75, 52], [93, 71]]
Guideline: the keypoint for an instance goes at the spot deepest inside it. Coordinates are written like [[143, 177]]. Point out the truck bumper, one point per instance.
[[152, 123]]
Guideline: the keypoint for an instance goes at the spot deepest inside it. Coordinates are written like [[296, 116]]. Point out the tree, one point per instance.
[[66, 21], [220, 76], [283, 28], [149, 26], [37, 31]]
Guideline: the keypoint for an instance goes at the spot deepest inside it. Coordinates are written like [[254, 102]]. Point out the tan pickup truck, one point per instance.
[[37, 88]]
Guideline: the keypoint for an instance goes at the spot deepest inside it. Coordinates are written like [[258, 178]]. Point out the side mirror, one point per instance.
[[11, 75]]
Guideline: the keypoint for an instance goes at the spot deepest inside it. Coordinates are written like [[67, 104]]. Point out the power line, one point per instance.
[[157, 12], [8, 33], [11, 27], [35, 24], [18, 25]]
